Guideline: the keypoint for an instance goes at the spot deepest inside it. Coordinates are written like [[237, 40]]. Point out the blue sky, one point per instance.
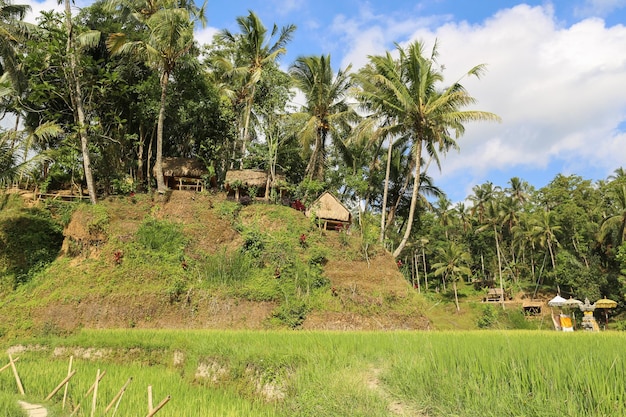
[[556, 73]]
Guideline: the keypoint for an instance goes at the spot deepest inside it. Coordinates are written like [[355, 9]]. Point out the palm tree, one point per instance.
[[252, 51], [13, 31], [326, 113], [453, 265], [546, 229], [76, 95], [482, 198], [169, 40], [492, 221], [404, 94], [616, 222]]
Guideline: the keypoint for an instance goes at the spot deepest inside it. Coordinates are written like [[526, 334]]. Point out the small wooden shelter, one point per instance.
[[184, 173], [329, 211], [495, 295], [241, 182], [532, 308]]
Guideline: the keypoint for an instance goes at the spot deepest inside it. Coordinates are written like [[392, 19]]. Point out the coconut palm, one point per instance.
[[405, 94], [169, 40], [453, 265], [326, 114], [251, 52], [615, 223], [13, 31]]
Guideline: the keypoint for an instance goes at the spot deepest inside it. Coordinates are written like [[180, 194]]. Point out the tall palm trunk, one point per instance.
[[246, 126], [414, 197], [383, 224], [495, 231], [77, 100], [158, 164]]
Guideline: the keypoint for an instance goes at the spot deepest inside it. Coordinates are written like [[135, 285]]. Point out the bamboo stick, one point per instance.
[[75, 410], [158, 407], [94, 384], [8, 365], [69, 369], [150, 407], [20, 387], [118, 395], [58, 387], [95, 394]]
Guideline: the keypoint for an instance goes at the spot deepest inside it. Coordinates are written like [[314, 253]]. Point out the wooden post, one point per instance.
[[20, 387], [158, 407], [69, 370], [95, 394], [94, 384], [8, 365], [150, 407], [58, 387], [118, 396]]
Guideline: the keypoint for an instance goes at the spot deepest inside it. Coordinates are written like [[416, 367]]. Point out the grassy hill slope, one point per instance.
[[199, 261]]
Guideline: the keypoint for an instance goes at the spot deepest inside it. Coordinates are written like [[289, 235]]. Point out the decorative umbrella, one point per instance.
[[557, 301], [605, 304], [572, 303]]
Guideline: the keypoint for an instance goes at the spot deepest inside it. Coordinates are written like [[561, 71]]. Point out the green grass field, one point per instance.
[[229, 373]]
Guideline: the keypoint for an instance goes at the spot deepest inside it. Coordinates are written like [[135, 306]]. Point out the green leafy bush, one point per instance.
[[489, 317]]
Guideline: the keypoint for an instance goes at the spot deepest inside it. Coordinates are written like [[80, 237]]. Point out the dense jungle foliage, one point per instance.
[[100, 98]]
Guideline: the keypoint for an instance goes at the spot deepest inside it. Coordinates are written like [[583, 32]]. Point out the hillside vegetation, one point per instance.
[[195, 261]]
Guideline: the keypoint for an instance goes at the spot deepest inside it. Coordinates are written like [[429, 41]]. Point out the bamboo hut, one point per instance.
[[330, 213], [249, 183], [184, 173]]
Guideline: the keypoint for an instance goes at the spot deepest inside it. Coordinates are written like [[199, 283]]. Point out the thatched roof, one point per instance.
[[328, 207], [248, 177], [183, 167]]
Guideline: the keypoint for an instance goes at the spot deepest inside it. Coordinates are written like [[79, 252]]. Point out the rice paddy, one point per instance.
[[280, 373]]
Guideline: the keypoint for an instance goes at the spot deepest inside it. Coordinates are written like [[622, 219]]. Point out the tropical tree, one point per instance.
[[326, 114], [77, 99], [169, 40], [13, 31], [246, 57], [453, 265], [546, 230], [615, 223], [405, 94]]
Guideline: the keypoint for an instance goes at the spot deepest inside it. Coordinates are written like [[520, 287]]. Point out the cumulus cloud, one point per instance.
[[557, 89]]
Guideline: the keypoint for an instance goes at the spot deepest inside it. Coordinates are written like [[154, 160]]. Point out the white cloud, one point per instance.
[[44, 6], [557, 89], [204, 36], [599, 7]]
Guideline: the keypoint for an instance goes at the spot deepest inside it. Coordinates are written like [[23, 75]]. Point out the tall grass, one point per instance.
[[221, 373]]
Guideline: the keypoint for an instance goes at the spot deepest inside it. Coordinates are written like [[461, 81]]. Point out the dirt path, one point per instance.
[[34, 410], [395, 407]]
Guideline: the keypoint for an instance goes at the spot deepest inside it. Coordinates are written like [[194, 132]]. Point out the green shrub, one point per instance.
[[489, 317], [291, 313], [253, 243], [161, 236], [318, 255], [29, 240]]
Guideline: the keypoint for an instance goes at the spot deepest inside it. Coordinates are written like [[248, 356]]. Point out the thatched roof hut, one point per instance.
[[183, 167], [184, 173], [245, 178], [239, 182], [329, 211]]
